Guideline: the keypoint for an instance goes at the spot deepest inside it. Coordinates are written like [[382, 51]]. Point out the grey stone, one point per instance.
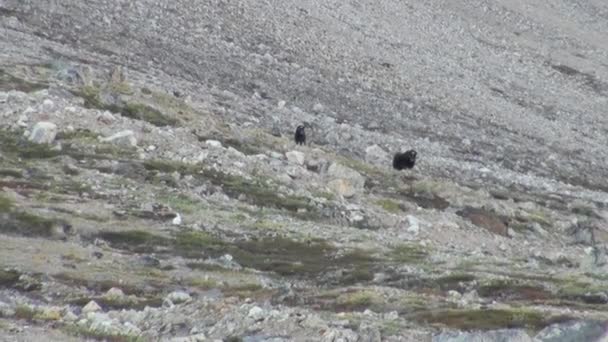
[[123, 138], [296, 157], [574, 331], [92, 306], [178, 297], [376, 155], [44, 132]]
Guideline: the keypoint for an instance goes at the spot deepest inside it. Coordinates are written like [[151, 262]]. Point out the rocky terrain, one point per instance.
[[151, 188]]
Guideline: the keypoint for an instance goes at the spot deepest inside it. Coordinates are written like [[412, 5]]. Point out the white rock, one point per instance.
[[177, 220], [44, 132], [296, 157], [413, 225], [48, 104], [236, 152], [106, 117], [317, 108], [213, 143], [256, 313], [391, 316], [124, 138], [69, 316], [275, 155], [281, 104], [92, 306], [178, 297], [114, 293]]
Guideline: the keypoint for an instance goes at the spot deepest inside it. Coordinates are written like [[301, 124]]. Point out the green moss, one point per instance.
[[15, 144], [488, 319], [389, 205], [10, 82], [408, 253]]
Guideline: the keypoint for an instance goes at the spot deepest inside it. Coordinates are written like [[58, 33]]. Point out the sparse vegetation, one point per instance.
[[408, 253], [389, 205], [488, 319]]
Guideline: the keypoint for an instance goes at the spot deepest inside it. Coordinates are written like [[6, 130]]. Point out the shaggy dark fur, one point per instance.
[[404, 160], [300, 135]]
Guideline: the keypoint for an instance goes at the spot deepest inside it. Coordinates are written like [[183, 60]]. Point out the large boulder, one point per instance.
[[376, 155], [44, 132], [573, 331], [344, 181], [123, 138], [296, 157]]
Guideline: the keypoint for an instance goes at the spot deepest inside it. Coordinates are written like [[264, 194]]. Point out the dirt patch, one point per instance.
[[485, 219]]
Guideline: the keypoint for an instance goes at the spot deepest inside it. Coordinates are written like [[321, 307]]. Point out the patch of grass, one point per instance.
[[16, 144], [89, 333], [24, 311], [247, 290], [540, 217], [264, 224], [488, 319], [9, 278], [511, 289], [5, 204], [134, 110], [203, 283], [358, 300], [181, 203], [77, 134], [585, 210], [10, 82], [147, 113], [582, 291], [389, 205], [452, 281], [26, 224], [408, 253], [284, 256], [11, 173], [137, 241], [193, 244]]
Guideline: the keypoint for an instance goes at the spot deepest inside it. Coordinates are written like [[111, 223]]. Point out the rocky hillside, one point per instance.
[[151, 188]]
